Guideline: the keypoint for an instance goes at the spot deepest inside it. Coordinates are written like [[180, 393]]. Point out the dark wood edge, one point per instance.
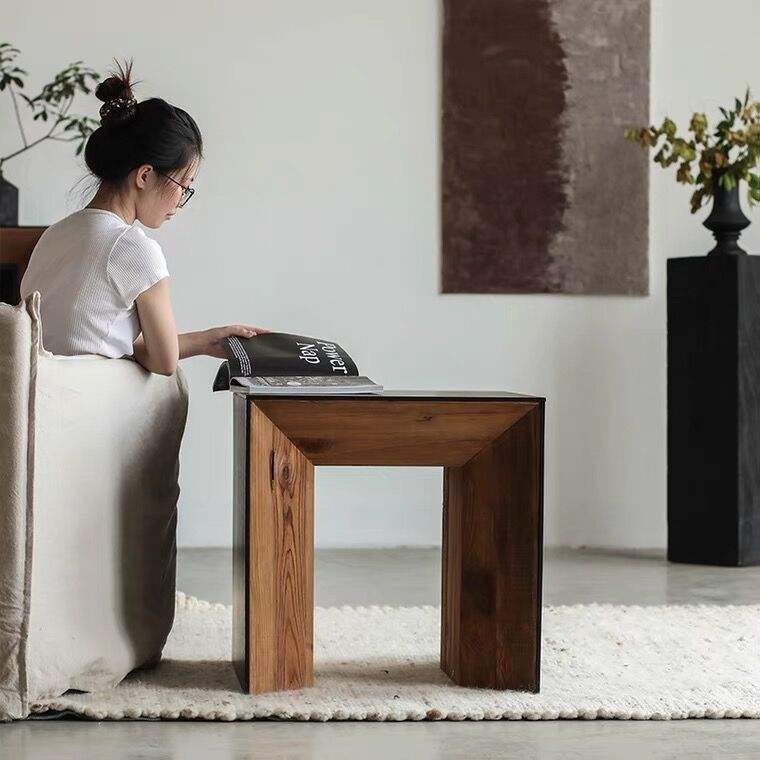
[[540, 570], [372, 397], [243, 671], [247, 659]]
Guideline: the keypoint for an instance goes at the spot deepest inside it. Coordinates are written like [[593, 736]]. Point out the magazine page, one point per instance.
[[318, 385], [276, 354]]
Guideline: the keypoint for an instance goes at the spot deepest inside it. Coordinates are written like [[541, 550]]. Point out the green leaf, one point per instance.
[[668, 127]]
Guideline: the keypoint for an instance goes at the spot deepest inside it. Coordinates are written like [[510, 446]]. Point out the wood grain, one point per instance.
[[492, 453], [281, 560], [17, 244], [391, 432], [492, 557]]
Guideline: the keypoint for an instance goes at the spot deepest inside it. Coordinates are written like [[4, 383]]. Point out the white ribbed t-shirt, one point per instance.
[[89, 268]]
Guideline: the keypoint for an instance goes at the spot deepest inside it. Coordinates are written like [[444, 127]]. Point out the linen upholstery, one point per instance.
[[89, 464]]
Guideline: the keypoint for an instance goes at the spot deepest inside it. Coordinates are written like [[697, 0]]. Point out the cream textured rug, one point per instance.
[[381, 663]]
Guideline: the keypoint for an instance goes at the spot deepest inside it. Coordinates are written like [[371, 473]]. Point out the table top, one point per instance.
[[390, 393]]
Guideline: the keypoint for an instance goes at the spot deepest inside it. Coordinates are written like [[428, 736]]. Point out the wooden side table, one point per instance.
[[490, 446], [16, 245]]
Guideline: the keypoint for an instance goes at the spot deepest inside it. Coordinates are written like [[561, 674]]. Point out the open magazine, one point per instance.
[[281, 363]]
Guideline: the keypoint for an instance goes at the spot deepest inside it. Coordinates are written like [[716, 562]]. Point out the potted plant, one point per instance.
[[51, 106], [724, 157]]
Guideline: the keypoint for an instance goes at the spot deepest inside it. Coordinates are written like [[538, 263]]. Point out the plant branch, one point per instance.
[[3, 159], [51, 105], [18, 115]]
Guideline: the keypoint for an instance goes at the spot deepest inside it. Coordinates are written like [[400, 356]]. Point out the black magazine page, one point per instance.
[[277, 354]]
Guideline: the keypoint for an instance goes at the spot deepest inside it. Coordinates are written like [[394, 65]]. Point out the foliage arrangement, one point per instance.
[[728, 154], [51, 105]]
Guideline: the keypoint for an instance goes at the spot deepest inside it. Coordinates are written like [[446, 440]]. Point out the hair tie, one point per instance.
[[118, 110]]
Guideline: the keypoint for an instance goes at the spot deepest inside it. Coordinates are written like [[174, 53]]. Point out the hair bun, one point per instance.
[[119, 104], [111, 88]]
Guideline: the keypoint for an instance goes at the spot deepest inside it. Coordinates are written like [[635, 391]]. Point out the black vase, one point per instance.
[[8, 203], [726, 220]]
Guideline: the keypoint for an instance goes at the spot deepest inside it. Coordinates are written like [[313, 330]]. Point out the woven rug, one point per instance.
[[381, 663]]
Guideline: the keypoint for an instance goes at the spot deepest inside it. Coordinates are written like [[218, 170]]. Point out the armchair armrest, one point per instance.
[[90, 453]]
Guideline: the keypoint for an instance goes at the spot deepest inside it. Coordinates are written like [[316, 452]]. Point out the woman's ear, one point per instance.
[[142, 175]]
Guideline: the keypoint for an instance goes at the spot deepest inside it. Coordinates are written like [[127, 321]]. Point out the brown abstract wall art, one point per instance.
[[540, 193]]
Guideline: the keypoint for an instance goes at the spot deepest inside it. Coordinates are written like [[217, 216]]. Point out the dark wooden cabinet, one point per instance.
[[16, 246]]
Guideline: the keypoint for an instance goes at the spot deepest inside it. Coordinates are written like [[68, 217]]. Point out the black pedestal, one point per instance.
[[714, 410]]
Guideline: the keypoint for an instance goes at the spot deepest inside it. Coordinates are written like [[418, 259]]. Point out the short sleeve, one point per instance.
[[136, 263]]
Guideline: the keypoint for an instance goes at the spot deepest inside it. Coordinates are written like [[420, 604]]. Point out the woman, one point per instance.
[[103, 282]]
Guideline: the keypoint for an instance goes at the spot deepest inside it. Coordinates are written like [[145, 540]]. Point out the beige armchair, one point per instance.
[[89, 462]]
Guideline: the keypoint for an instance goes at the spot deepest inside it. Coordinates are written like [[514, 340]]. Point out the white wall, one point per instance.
[[317, 211]]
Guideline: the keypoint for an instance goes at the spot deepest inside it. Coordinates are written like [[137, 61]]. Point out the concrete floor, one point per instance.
[[408, 577]]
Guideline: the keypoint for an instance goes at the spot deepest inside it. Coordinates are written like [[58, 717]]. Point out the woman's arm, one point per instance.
[[159, 348]]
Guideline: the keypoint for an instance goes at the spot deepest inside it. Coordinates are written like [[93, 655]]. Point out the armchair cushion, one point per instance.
[[89, 464]]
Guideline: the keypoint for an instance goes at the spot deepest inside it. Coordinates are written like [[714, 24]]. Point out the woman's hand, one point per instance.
[[211, 339], [209, 342]]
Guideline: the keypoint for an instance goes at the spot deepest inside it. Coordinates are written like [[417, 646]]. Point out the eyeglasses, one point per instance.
[[187, 192]]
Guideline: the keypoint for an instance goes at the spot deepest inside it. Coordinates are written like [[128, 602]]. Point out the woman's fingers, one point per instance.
[[251, 329], [245, 330]]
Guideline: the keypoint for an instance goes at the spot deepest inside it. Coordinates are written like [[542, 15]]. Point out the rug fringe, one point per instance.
[[188, 602]]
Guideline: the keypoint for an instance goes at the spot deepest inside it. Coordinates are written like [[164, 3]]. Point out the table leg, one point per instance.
[[274, 619], [492, 559]]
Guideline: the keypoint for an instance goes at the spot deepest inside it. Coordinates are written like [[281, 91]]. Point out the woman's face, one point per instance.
[[158, 196]]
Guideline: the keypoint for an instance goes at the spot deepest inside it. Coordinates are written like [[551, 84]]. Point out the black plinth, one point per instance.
[[714, 410]]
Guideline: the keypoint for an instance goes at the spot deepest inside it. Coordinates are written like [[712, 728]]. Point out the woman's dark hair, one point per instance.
[[130, 134]]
